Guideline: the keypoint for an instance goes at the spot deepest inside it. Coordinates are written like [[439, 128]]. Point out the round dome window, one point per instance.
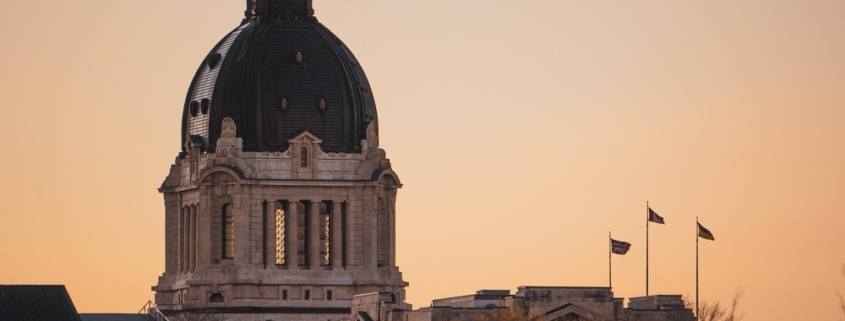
[[283, 104], [298, 57], [322, 104]]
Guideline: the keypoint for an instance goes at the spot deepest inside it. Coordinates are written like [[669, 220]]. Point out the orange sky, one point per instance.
[[523, 131]]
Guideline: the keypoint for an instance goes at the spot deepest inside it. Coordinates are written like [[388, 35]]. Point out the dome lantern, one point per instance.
[[279, 7]]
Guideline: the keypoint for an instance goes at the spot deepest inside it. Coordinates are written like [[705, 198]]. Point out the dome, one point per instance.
[[279, 74]]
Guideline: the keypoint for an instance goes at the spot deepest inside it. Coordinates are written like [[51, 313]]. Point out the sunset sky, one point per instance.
[[523, 131]]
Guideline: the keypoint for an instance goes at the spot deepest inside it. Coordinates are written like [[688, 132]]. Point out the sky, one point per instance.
[[523, 132]]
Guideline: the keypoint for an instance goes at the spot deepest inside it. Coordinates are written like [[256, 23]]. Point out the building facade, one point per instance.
[[280, 205], [535, 303]]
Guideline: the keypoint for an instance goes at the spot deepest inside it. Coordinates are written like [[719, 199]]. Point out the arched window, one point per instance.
[[325, 233], [216, 298], [228, 232], [303, 157]]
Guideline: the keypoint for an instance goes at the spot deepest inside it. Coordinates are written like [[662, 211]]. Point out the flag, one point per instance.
[[705, 233], [652, 216], [619, 247]]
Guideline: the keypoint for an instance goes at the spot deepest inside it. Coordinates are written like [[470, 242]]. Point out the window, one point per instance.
[[284, 294], [325, 233], [303, 157], [216, 298], [281, 216], [307, 295], [228, 232], [328, 294]]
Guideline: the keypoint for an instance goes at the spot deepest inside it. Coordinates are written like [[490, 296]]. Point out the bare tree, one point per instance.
[[717, 312], [841, 300]]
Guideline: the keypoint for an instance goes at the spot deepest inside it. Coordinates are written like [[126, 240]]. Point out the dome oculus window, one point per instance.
[[298, 57], [283, 103], [322, 104]]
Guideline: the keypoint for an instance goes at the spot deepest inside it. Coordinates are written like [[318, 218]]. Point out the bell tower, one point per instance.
[[280, 205]]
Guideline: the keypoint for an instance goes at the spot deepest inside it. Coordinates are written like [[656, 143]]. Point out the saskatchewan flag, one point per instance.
[[705, 233]]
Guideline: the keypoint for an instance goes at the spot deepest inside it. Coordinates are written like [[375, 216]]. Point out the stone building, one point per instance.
[[546, 303], [281, 206]]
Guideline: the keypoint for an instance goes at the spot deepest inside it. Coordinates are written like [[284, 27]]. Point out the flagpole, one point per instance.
[[646, 247], [609, 261], [696, 267]]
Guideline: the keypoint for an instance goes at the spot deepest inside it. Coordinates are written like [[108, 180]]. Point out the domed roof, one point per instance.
[[278, 74]]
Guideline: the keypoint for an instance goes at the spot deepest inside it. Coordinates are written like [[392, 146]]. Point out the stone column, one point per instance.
[[292, 234], [172, 210], [336, 239], [193, 240], [314, 235], [370, 229], [184, 212], [185, 230], [391, 227], [270, 208], [241, 210], [204, 229]]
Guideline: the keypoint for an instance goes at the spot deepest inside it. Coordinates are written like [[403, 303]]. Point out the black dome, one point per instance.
[[278, 74]]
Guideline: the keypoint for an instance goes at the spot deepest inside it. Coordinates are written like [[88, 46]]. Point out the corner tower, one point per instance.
[[280, 205]]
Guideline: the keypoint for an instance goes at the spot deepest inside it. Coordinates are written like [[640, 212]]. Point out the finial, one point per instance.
[[279, 7]]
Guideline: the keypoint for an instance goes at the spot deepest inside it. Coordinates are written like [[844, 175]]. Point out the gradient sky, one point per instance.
[[523, 132]]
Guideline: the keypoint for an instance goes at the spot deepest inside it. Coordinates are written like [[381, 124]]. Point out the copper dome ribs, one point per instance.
[[273, 78]]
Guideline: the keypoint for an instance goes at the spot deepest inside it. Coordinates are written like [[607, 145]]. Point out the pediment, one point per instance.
[[305, 138], [571, 312]]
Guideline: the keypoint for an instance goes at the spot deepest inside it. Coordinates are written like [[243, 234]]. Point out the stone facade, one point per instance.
[[538, 303], [291, 235]]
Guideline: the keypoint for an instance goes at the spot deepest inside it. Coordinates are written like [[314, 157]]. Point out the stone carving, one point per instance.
[[227, 143], [229, 150]]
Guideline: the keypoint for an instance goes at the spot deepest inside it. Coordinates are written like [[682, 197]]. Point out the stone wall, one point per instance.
[[339, 216]]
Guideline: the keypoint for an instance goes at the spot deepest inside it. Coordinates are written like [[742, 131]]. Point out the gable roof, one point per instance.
[[36, 303]]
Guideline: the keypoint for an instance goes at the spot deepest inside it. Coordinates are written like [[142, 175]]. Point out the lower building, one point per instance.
[[546, 303]]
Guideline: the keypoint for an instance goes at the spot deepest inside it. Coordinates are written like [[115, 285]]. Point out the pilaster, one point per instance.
[[292, 234], [336, 238], [314, 235], [270, 208]]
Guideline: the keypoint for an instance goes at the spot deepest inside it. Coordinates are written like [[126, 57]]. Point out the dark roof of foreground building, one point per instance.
[[278, 74], [36, 303], [115, 317]]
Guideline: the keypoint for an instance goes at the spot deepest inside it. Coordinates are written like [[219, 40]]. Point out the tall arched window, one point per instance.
[[303, 157], [325, 233], [281, 238], [228, 232]]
